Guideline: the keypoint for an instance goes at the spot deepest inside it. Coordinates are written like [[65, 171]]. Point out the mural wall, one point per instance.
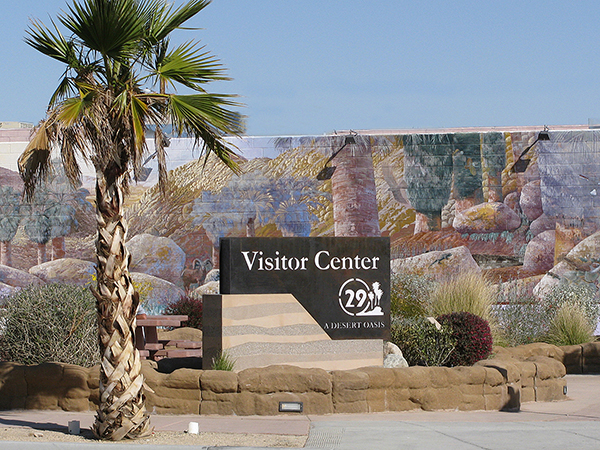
[[518, 203]]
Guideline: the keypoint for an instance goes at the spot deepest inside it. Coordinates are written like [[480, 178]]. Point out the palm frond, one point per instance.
[[113, 28], [190, 66], [165, 21], [65, 87], [52, 44], [34, 163]]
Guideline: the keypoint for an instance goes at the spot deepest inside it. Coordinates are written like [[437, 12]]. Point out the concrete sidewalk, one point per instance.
[[573, 423]]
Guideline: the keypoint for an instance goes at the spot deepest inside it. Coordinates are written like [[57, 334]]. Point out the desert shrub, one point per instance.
[[570, 326], [522, 318], [472, 337], [468, 292], [519, 317], [410, 295], [422, 344], [54, 322], [187, 306], [583, 294]]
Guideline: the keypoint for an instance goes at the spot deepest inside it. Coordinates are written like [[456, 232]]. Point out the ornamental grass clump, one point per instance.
[[468, 292], [570, 326], [50, 323], [472, 337], [223, 361], [421, 342]]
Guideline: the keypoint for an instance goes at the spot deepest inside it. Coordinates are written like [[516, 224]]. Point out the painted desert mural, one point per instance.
[[518, 205]]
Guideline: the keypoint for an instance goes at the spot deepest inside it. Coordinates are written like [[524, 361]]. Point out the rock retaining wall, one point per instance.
[[528, 373]]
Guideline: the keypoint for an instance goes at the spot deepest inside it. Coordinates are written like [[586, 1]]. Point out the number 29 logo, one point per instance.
[[357, 298]]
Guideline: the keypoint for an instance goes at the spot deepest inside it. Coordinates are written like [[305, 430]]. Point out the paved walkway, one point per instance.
[[569, 424]]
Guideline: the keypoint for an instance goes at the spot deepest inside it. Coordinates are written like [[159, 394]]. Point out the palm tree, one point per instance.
[[115, 52]]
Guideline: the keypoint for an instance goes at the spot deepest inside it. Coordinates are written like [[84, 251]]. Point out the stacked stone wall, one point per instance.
[[524, 374]]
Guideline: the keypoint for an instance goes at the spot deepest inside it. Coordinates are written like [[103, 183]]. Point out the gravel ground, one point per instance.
[[160, 438]]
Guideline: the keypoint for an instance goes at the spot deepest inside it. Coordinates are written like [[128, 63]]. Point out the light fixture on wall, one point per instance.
[[296, 407], [327, 171], [520, 164]]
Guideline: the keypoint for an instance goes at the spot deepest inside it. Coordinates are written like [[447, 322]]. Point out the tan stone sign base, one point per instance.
[[259, 330]]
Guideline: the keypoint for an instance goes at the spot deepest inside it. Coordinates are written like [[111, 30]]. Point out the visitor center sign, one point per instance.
[[343, 282]]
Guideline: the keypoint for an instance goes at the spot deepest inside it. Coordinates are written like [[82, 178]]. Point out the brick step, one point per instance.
[[149, 346], [177, 353], [144, 354], [182, 344]]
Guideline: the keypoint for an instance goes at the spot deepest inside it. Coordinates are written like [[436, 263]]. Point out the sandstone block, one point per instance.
[[573, 358], [356, 407], [439, 399], [380, 377], [472, 402], [547, 368], [170, 405], [219, 397], [216, 407], [183, 379], [591, 357], [507, 368], [474, 375], [550, 390], [13, 388], [219, 381], [270, 379], [412, 377]]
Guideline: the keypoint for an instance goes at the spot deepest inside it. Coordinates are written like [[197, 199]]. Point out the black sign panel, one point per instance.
[[344, 283]]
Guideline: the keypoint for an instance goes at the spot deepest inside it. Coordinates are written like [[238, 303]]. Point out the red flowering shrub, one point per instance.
[[472, 335], [188, 306]]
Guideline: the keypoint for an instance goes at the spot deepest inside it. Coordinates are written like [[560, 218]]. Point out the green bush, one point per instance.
[[570, 326], [410, 295], [187, 306], [53, 322], [472, 336], [422, 344]]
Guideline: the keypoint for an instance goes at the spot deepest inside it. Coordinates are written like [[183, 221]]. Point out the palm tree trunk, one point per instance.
[[58, 248], [5, 254], [41, 253], [122, 412]]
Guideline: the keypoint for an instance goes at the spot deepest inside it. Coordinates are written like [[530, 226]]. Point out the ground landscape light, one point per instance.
[[291, 407]]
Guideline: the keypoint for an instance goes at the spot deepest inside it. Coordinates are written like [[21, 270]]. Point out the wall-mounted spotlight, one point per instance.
[[520, 164], [327, 171]]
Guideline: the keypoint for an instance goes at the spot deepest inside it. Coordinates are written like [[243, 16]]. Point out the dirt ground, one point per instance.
[[159, 438]]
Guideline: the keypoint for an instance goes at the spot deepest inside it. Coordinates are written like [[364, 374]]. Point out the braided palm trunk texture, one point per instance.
[[122, 412]]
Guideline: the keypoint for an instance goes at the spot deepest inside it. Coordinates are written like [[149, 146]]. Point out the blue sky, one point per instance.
[[309, 67]]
